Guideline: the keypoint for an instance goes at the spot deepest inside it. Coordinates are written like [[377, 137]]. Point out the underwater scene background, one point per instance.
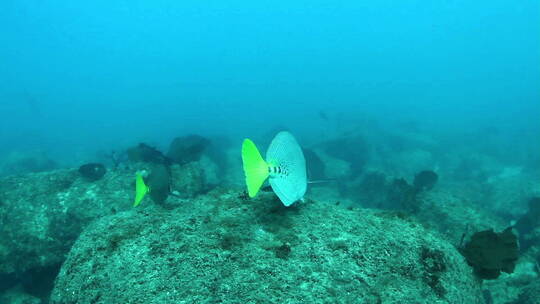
[[124, 164]]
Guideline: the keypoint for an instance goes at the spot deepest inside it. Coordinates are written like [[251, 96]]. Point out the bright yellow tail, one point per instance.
[[255, 168], [140, 189]]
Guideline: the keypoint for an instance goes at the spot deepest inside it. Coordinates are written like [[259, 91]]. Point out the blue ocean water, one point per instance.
[[80, 76], [375, 92]]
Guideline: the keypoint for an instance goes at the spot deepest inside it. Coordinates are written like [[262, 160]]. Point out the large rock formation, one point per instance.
[[225, 248]]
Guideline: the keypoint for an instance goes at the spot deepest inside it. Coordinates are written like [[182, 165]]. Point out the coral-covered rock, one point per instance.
[[455, 217], [508, 287], [222, 247], [355, 150], [409, 162], [509, 191], [530, 294], [41, 214], [188, 180]]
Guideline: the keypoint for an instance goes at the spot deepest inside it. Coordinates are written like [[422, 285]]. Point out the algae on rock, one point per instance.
[[225, 248], [42, 214]]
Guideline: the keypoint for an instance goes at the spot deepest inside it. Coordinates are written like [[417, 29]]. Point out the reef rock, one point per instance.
[[455, 217], [26, 162], [353, 149], [515, 288], [188, 180], [17, 295], [530, 294], [510, 190], [188, 148], [224, 248], [409, 162], [41, 214]]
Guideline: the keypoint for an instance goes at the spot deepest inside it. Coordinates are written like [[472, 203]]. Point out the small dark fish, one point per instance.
[[92, 171]]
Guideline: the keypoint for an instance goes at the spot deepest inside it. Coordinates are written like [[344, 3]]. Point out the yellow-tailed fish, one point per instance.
[[285, 167], [140, 189]]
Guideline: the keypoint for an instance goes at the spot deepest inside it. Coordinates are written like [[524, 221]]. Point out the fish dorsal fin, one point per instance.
[[255, 168], [288, 168]]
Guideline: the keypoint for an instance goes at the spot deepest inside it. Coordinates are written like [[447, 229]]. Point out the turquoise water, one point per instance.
[[375, 92], [100, 74]]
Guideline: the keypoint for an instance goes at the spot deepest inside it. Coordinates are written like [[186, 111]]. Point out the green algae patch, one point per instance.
[[224, 248]]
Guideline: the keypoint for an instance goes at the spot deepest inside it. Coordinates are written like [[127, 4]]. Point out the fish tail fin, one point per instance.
[[255, 168], [140, 189]]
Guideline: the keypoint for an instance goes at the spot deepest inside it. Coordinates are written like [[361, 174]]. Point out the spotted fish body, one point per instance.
[[285, 167]]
